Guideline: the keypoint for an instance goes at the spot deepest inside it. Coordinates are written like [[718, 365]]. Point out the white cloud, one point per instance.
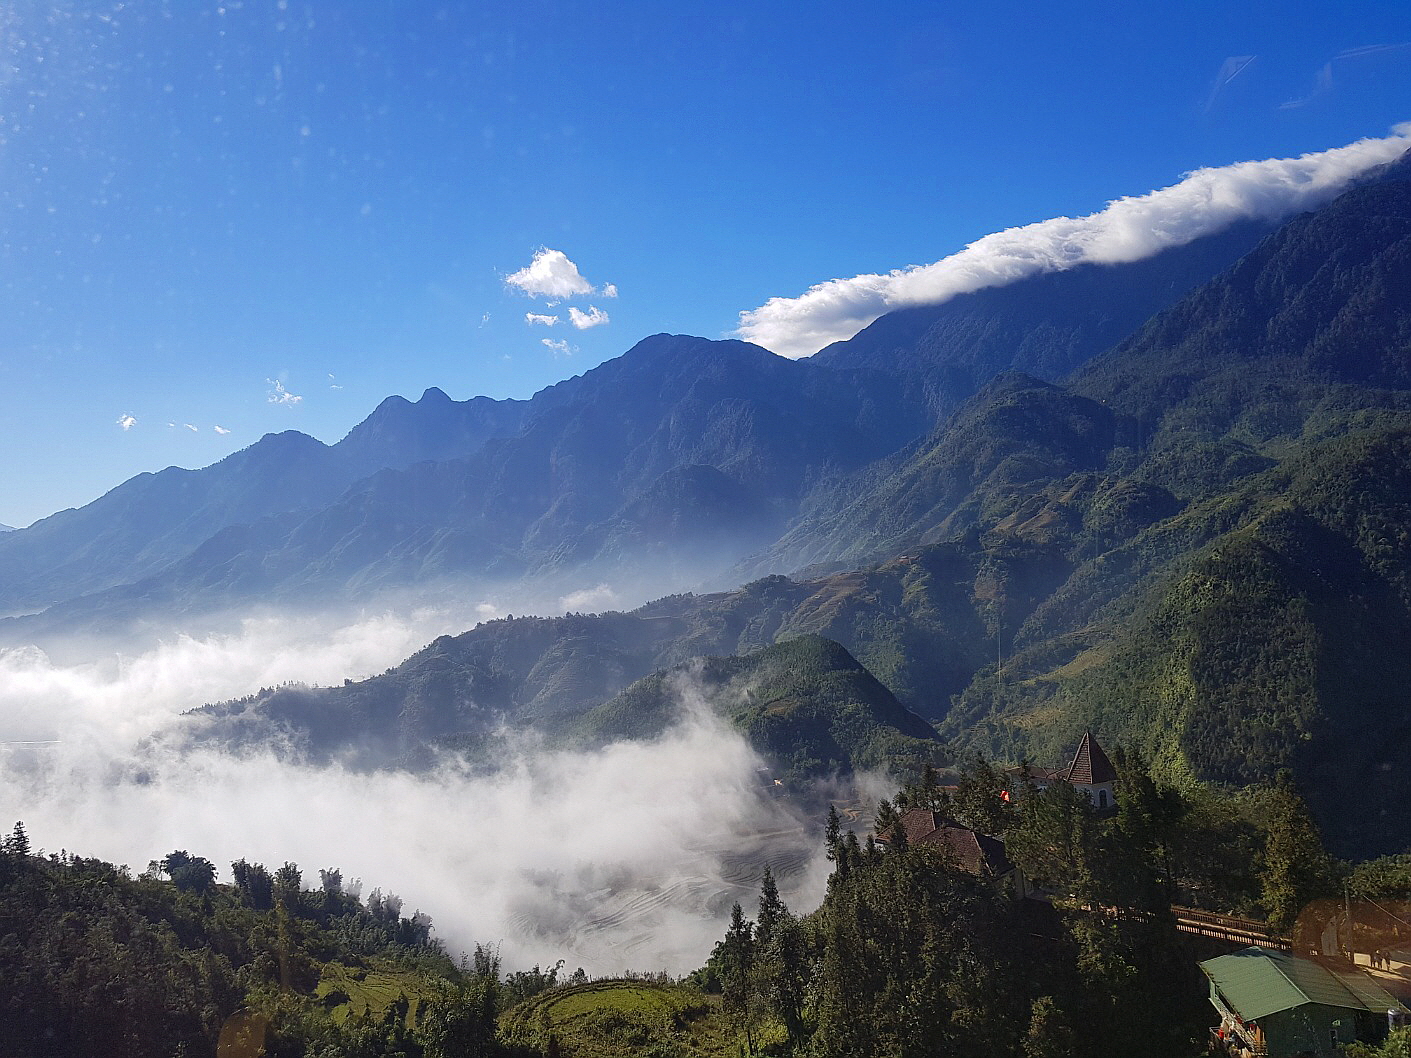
[[193, 429], [550, 275], [127, 422], [594, 317], [532, 318], [559, 346], [591, 600], [609, 290], [633, 858], [280, 395], [1129, 229], [220, 430]]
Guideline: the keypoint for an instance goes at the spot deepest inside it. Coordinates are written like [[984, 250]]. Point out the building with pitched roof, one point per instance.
[[980, 854], [1090, 771], [1282, 1005]]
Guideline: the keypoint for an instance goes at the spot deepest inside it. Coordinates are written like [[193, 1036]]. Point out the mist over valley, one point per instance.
[[582, 675]]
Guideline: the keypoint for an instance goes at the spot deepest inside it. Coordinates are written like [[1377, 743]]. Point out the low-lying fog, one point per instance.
[[628, 858]]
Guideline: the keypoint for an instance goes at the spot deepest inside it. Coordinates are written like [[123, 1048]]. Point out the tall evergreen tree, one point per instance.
[[738, 997], [771, 909], [1294, 867], [980, 800], [1054, 841], [289, 884], [833, 834], [780, 968], [17, 844]]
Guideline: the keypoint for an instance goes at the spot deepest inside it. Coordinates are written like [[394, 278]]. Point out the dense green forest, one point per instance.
[[97, 962], [913, 954], [910, 953], [805, 703]]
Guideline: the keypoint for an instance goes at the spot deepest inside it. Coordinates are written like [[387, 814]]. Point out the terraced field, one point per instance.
[[609, 1019], [367, 991]]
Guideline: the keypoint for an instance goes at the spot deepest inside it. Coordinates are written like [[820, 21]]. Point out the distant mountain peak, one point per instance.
[[386, 404], [291, 437], [665, 343]]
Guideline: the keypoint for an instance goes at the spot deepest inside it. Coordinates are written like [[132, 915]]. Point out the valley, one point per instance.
[[592, 669]]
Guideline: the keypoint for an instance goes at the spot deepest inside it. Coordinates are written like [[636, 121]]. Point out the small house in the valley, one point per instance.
[[980, 854], [1283, 1005], [1090, 772]]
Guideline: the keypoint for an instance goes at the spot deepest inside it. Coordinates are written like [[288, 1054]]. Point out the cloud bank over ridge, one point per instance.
[[1128, 229], [625, 857]]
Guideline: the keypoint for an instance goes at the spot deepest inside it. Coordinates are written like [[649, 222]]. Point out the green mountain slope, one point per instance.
[[974, 470], [1279, 642], [1322, 300], [806, 703], [914, 623], [1198, 547]]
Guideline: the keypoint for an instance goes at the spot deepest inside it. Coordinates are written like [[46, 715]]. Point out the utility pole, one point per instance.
[[1347, 914]]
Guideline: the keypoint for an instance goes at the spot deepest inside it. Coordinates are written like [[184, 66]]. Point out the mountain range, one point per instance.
[[689, 453], [1167, 501]]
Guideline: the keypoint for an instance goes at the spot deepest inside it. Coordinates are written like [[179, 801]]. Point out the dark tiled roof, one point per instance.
[[1038, 774], [919, 824], [978, 853], [1090, 764]]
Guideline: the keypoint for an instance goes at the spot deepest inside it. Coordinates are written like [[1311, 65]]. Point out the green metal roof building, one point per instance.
[[1283, 1005]]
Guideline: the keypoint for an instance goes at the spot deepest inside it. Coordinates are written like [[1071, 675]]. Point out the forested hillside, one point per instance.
[[98, 962], [913, 951], [1196, 546]]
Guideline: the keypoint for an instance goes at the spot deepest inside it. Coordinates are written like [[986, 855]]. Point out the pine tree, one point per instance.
[[17, 844], [885, 819], [780, 967], [1294, 867], [980, 801], [771, 910], [737, 992]]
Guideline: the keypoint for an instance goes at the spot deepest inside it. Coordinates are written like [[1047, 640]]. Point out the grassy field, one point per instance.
[[610, 1019]]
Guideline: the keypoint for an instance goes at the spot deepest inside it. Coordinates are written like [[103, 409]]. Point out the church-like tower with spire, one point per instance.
[[1090, 772]]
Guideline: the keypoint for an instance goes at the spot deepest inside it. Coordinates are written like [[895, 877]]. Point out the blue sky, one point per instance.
[[207, 210]]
